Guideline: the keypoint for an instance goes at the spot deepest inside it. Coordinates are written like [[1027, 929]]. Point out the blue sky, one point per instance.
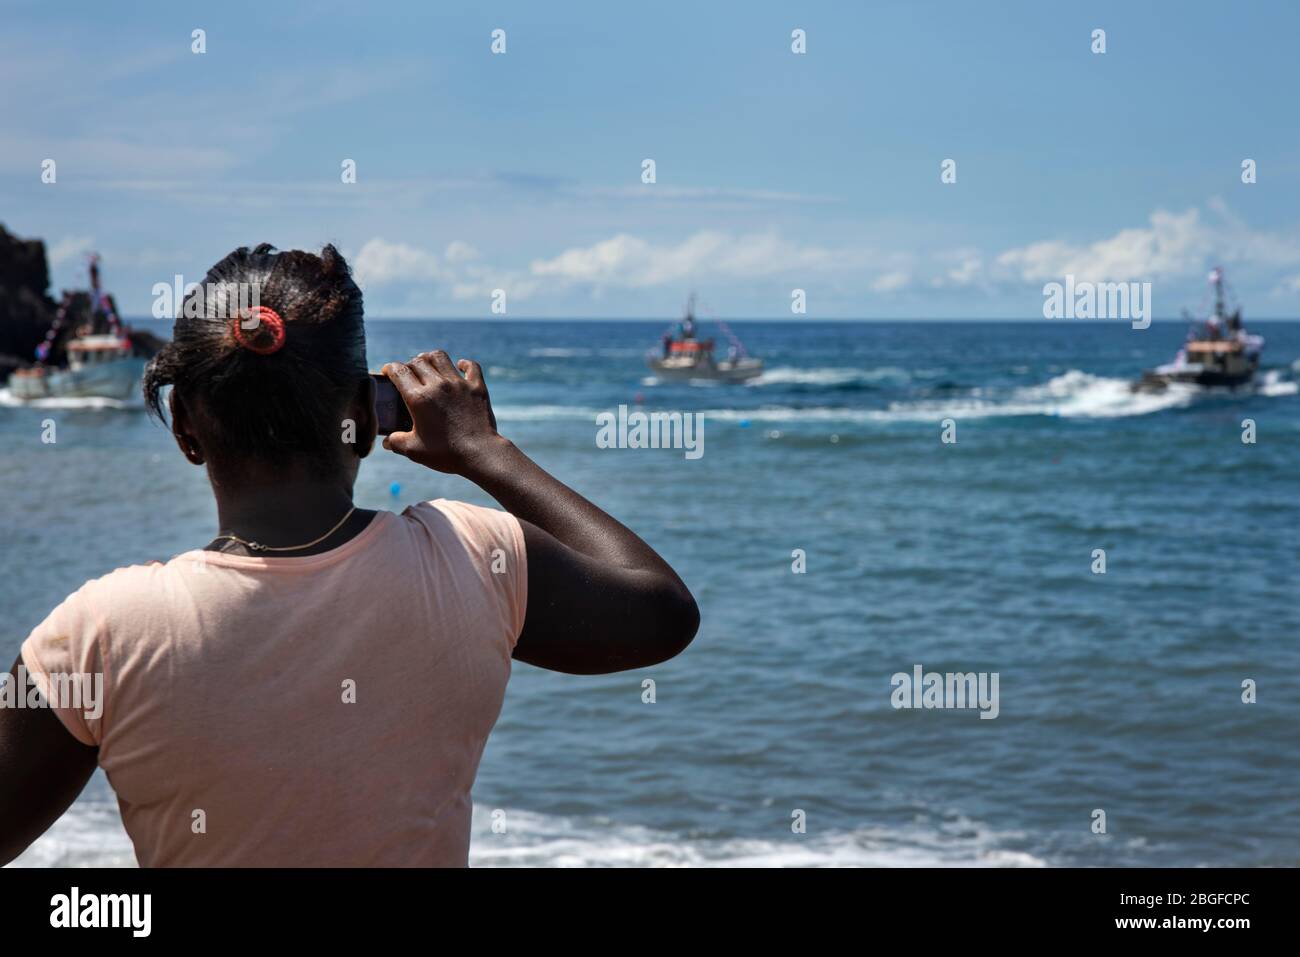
[[774, 171]]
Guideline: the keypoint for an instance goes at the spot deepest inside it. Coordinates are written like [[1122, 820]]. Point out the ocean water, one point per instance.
[[1119, 692]]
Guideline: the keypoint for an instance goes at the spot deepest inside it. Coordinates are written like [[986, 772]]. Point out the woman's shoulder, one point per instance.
[[446, 506], [464, 520], [124, 584], [96, 610], [479, 545]]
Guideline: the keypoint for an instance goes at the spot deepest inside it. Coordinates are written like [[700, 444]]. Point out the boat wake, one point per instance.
[[1072, 395], [1081, 395], [1077, 394], [1272, 384]]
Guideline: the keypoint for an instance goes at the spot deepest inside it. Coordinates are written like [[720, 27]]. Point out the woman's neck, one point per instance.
[[287, 513]]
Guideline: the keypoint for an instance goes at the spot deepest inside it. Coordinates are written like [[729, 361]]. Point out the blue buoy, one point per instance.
[[395, 489], [743, 423]]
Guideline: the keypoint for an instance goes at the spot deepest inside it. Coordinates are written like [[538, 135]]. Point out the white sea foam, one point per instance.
[[780, 413], [536, 413], [1272, 384], [830, 377], [534, 840], [548, 352], [1077, 394], [580, 352], [90, 834], [1074, 394]]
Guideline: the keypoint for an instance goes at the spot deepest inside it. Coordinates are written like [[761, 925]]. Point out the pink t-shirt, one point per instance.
[[327, 710]]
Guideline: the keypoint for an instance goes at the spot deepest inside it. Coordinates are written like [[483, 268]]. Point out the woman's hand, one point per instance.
[[452, 414]]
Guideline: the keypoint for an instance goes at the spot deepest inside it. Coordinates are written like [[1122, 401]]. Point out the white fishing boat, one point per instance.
[[102, 366], [103, 358]]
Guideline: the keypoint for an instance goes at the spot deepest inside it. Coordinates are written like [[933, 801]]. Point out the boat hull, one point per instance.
[[1159, 381], [741, 370], [119, 379]]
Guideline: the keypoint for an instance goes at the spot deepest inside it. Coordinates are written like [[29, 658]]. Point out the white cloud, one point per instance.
[[1173, 245], [457, 274], [459, 251], [622, 262], [970, 269], [632, 262], [380, 262], [891, 282]]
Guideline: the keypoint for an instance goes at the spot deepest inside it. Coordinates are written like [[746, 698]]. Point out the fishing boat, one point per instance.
[[1218, 352], [99, 366], [88, 352], [685, 357]]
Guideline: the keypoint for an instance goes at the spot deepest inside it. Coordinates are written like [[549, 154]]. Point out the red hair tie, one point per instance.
[[268, 321]]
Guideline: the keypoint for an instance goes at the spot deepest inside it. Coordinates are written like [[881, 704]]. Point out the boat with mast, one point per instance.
[[686, 357], [100, 358], [1217, 352]]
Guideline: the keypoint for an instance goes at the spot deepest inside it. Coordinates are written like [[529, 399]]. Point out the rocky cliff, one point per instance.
[[26, 310]]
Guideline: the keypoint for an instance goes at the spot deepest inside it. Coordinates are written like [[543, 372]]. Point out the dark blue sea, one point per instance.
[[1119, 692]]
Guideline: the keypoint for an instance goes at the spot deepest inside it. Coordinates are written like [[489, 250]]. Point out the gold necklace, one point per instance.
[[258, 547]]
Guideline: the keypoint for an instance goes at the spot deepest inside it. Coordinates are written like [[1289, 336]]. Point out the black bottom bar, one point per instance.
[[563, 906]]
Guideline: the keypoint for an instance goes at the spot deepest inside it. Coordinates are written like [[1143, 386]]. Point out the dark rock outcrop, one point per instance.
[[26, 310]]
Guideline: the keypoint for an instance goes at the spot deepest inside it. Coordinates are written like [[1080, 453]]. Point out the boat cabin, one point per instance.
[[93, 350], [679, 347]]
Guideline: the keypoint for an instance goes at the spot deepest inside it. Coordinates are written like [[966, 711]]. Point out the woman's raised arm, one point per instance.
[[600, 599]]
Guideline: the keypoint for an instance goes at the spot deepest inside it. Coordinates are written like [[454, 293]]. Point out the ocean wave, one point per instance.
[[793, 414], [1077, 394], [90, 834], [1072, 395], [1272, 384], [925, 411], [535, 840], [581, 352], [1081, 395], [830, 377], [542, 413], [548, 352]]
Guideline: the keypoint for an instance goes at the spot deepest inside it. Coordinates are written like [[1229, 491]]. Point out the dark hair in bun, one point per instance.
[[270, 391]]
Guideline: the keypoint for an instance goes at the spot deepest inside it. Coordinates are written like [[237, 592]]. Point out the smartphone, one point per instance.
[[391, 412]]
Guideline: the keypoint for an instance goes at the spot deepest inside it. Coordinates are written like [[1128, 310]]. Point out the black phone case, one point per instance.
[[391, 413]]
